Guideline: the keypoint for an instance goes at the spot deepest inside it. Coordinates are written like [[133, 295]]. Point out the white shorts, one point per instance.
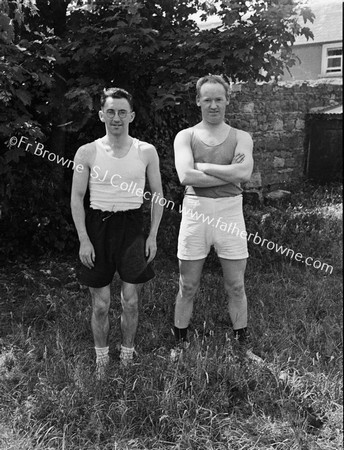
[[212, 221]]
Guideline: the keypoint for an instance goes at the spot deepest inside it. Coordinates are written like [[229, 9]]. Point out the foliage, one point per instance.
[[56, 56]]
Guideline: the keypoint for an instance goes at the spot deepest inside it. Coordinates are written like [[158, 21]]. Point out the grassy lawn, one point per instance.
[[49, 398]]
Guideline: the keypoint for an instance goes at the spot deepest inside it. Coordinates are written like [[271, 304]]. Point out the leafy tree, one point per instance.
[[28, 185], [56, 56]]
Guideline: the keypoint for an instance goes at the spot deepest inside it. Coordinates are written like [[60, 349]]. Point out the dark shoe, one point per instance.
[[243, 346], [177, 352]]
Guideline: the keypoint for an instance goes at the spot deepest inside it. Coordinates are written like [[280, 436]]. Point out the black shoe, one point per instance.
[[178, 352], [243, 345]]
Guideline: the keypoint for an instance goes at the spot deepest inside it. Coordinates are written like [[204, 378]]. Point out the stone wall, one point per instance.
[[275, 116]]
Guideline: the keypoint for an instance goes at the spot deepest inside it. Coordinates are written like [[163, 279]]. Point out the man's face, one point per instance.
[[116, 114], [213, 102]]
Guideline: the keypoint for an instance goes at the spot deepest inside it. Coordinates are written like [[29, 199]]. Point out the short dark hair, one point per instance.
[[115, 92], [213, 79]]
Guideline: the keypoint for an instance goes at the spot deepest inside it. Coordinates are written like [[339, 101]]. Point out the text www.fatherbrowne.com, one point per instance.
[[256, 239], [38, 150]]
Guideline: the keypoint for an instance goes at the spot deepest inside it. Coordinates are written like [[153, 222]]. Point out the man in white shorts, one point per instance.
[[212, 159]]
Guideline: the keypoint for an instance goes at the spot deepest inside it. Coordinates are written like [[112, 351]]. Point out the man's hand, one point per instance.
[[200, 166], [86, 253], [151, 248], [239, 158]]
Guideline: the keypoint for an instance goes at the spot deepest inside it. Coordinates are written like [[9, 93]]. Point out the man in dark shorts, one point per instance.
[[114, 169]]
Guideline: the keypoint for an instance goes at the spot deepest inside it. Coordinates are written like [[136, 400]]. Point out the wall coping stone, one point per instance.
[[235, 87]]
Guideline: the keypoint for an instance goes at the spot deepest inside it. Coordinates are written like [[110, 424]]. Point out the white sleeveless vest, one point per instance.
[[117, 184]]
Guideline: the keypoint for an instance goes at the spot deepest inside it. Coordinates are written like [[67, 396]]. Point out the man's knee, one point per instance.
[[129, 297], [188, 288], [100, 300], [235, 289]]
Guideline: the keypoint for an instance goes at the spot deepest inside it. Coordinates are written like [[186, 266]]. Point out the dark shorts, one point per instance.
[[119, 245]]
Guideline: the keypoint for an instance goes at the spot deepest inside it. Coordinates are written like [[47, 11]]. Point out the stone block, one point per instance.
[[293, 162], [286, 170], [290, 125], [293, 106], [277, 197], [255, 181], [278, 125], [262, 118], [300, 124], [271, 178], [248, 107], [278, 162]]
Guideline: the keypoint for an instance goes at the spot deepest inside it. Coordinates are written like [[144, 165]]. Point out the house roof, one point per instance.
[[327, 25], [327, 110]]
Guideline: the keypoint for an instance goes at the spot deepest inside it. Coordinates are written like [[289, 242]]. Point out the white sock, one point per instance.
[[126, 353], [102, 354]]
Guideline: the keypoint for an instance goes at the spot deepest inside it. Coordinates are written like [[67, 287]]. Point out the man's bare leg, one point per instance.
[[100, 325], [233, 274], [129, 319], [100, 318], [189, 280]]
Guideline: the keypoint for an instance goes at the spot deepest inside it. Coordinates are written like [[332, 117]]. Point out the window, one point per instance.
[[332, 60]]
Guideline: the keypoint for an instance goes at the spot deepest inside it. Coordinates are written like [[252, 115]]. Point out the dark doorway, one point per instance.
[[324, 156]]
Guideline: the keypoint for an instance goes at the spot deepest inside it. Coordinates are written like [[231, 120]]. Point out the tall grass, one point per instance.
[[209, 400]]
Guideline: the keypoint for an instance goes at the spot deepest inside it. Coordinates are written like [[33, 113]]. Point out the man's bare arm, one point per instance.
[[79, 186], [184, 163], [154, 180], [236, 172]]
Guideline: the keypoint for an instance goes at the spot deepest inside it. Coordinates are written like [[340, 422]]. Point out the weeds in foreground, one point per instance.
[[211, 399]]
